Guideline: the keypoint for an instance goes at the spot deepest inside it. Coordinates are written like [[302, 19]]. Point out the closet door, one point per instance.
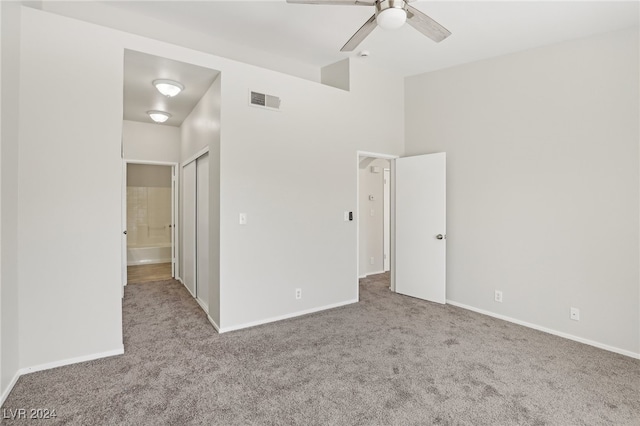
[[189, 226], [202, 234]]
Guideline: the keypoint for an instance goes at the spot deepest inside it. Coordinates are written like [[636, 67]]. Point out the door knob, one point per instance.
[[441, 237]]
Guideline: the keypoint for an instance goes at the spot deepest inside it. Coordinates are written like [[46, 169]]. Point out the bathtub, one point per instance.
[[139, 255]]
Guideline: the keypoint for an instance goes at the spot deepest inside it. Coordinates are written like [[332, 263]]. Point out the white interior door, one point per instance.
[[123, 244], [202, 234], [420, 226], [189, 226]]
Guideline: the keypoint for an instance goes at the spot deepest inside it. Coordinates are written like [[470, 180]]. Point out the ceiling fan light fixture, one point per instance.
[[391, 18], [159, 116], [168, 88]]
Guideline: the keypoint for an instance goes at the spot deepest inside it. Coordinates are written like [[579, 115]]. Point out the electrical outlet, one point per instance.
[[498, 296], [372, 260], [242, 218], [298, 293], [575, 314]]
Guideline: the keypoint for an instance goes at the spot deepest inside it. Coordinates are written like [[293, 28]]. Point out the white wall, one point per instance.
[[150, 142], [296, 236], [371, 233], [69, 223], [9, 289], [201, 129], [293, 172], [336, 75], [542, 176]]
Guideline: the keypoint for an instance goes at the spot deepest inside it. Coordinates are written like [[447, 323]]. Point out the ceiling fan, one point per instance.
[[389, 15]]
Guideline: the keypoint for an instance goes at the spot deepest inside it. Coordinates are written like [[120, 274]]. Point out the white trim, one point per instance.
[[151, 163], [55, 364], [195, 156], [547, 330], [377, 155], [185, 286], [9, 388], [283, 317], [69, 361], [213, 323], [204, 307]]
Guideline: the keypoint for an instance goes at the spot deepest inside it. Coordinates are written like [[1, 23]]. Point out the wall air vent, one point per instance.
[[262, 100]]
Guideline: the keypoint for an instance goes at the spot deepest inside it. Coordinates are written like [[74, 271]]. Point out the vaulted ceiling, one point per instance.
[[299, 38]]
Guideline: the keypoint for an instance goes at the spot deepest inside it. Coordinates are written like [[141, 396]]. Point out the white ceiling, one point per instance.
[[299, 39], [313, 34], [141, 96]]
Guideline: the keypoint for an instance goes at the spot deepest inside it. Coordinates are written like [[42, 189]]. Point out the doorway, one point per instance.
[[373, 216], [417, 222], [149, 207]]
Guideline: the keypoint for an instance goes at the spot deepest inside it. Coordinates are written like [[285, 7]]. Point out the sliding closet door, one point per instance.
[[189, 226], [202, 234]]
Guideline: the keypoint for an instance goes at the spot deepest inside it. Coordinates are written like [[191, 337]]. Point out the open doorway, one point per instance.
[[375, 221], [373, 217], [150, 206], [416, 227]]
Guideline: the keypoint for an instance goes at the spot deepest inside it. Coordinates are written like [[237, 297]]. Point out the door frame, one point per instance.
[[175, 232], [392, 166], [386, 208]]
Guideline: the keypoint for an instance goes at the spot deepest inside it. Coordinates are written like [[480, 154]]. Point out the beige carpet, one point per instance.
[[388, 360]]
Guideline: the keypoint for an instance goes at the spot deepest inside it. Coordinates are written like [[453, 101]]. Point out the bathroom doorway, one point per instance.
[[150, 206]]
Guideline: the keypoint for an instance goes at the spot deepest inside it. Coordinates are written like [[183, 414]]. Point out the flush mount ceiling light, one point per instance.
[[391, 15], [168, 88], [159, 116]]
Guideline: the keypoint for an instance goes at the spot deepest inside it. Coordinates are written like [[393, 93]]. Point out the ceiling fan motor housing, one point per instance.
[[391, 14]]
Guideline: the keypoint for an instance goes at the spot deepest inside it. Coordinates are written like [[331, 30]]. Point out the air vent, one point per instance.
[[262, 100]]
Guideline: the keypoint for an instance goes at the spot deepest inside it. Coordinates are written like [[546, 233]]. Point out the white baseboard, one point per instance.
[[213, 323], [204, 307], [547, 330], [68, 361], [7, 391], [55, 364], [286, 316], [185, 286]]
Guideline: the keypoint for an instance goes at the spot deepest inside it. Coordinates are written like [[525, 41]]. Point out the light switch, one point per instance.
[[243, 219]]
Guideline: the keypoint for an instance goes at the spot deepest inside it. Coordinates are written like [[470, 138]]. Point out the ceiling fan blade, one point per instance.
[[360, 35], [426, 25], [335, 2]]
